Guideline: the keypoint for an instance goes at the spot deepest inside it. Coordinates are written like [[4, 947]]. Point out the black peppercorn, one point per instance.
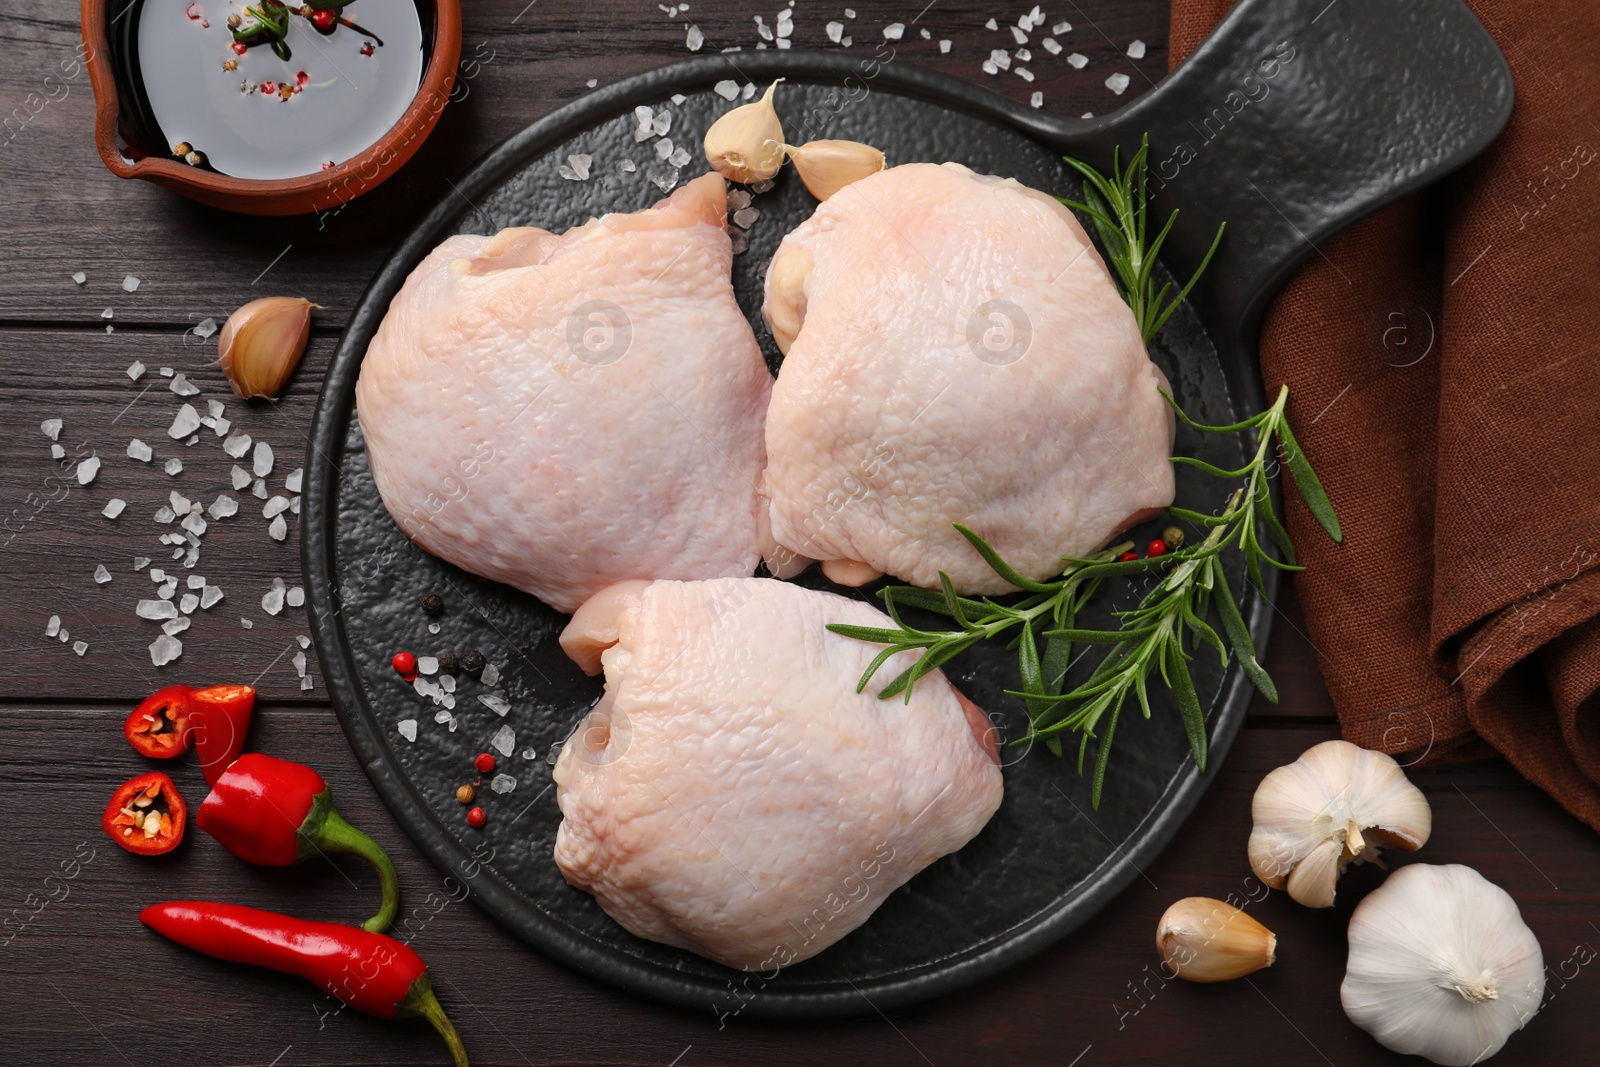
[[449, 662], [473, 663], [432, 603]]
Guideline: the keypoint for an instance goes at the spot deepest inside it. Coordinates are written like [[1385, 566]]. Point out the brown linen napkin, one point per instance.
[[1441, 362]]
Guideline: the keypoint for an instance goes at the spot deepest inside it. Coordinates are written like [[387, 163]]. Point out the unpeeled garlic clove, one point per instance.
[[828, 166], [1335, 805], [1206, 940], [746, 144], [262, 342]]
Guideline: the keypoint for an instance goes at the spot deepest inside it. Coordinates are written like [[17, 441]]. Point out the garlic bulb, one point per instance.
[[1335, 804], [828, 166], [1206, 940], [1441, 965], [746, 144], [262, 342]]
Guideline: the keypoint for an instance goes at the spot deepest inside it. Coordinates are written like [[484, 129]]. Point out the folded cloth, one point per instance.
[[1440, 361]]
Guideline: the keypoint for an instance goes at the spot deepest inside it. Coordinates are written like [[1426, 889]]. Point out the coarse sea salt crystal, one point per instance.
[[944, 46], [158, 575], [295, 597], [51, 428], [989, 67], [205, 328], [664, 148], [247, 624], [445, 716], [185, 423], [275, 507], [1061, 27], [491, 675], [272, 602], [1037, 100], [428, 664], [80, 277], [240, 477], [835, 31], [258, 489], [1136, 50], [1118, 83], [261, 461], [57, 452], [237, 445], [183, 386], [694, 39], [495, 703], [209, 596], [1018, 36], [306, 683], [215, 408], [662, 123], [195, 581], [1025, 74], [114, 507], [52, 627], [504, 741], [1077, 60], [175, 626], [1051, 45], [305, 642], [156, 609], [130, 284], [223, 507], [407, 728], [165, 649], [167, 588], [188, 603], [627, 166], [1000, 58], [135, 371], [80, 647], [88, 469], [292, 482], [180, 503], [63, 636], [679, 157], [746, 217], [277, 529], [101, 575], [926, 35], [108, 313], [194, 523], [294, 506], [894, 31], [140, 451], [447, 682], [1023, 55], [727, 89], [503, 783], [141, 562], [166, 372], [173, 466], [299, 661]]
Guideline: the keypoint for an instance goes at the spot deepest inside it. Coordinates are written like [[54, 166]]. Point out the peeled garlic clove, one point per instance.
[[262, 342], [828, 166], [1206, 940], [746, 144], [1441, 965], [1335, 805]]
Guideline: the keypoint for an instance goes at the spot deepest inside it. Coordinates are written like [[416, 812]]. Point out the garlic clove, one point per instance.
[[262, 342], [746, 144], [828, 166], [1206, 940], [1441, 965], [1336, 805]]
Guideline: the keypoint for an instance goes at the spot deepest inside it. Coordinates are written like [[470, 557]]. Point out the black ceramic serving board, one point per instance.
[[1292, 120]]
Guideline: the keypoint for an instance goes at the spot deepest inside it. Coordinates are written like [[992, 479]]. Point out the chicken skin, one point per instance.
[[732, 794], [560, 413], [955, 352]]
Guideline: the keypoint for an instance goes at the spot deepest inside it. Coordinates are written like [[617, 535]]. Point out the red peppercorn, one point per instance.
[[1127, 557], [405, 665], [476, 818], [1157, 547], [240, 48], [324, 21], [484, 763]]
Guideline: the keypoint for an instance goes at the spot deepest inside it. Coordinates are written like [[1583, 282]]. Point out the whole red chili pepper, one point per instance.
[[219, 715], [159, 726], [277, 813], [146, 815], [370, 972]]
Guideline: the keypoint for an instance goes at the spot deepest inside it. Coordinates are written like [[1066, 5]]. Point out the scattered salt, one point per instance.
[[679, 157], [241, 477], [292, 482], [108, 313], [173, 466], [744, 218], [1061, 27], [1037, 100], [114, 507], [237, 445], [167, 588], [175, 626], [140, 451], [195, 581], [305, 642], [835, 31], [503, 783], [63, 636], [748, 91], [407, 729], [1051, 45], [80, 647], [295, 597], [135, 371], [194, 523], [52, 627], [140, 562], [165, 649], [158, 575], [258, 489], [1025, 74], [491, 676], [1077, 60], [180, 503], [664, 148], [306, 683], [183, 387], [80, 277], [57, 452], [156, 609], [447, 682], [1118, 83], [727, 89], [1136, 50], [433, 627], [504, 741], [51, 428], [186, 422], [989, 67], [662, 123], [166, 372], [101, 575], [627, 166], [1000, 58], [991, 25], [275, 507], [261, 462], [944, 46], [88, 469], [299, 662], [247, 624], [223, 507], [209, 596], [206, 328], [130, 284], [278, 529], [495, 703], [188, 603], [1018, 35], [428, 665], [926, 35], [1023, 55], [695, 39], [272, 603]]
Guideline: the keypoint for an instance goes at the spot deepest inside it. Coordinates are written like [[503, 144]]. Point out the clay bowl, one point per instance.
[[130, 150]]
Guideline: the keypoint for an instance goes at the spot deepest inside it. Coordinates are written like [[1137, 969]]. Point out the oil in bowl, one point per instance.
[[302, 91]]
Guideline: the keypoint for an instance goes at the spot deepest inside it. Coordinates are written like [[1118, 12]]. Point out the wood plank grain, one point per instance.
[[65, 212], [1098, 995]]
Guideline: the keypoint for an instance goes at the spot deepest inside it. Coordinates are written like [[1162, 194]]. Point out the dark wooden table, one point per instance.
[[84, 983]]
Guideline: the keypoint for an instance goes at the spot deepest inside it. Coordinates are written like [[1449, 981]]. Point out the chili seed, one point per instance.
[[466, 794], [449, 662], [476, 818], [473, 663], [431, 603], [484, 763]]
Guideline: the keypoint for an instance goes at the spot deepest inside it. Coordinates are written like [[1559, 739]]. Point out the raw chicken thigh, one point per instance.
[[956, 352], [563, 412], [732, 794]]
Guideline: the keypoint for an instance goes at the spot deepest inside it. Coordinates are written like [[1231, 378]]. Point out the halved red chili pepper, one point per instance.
[[159, 726], [277, 813], [146, 815], [219, 716], [368, 971]]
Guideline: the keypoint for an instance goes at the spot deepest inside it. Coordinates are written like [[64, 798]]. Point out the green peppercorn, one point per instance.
[[1173, 537]]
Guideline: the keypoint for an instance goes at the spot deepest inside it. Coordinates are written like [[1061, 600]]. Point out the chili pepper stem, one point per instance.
[[421, 1001], [336, 835]]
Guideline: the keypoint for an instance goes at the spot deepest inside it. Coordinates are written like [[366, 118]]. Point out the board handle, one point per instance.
[[1296, 118]]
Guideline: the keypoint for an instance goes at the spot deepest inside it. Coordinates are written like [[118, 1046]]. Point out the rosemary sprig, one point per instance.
[[1118, 206], [1161, 635]]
